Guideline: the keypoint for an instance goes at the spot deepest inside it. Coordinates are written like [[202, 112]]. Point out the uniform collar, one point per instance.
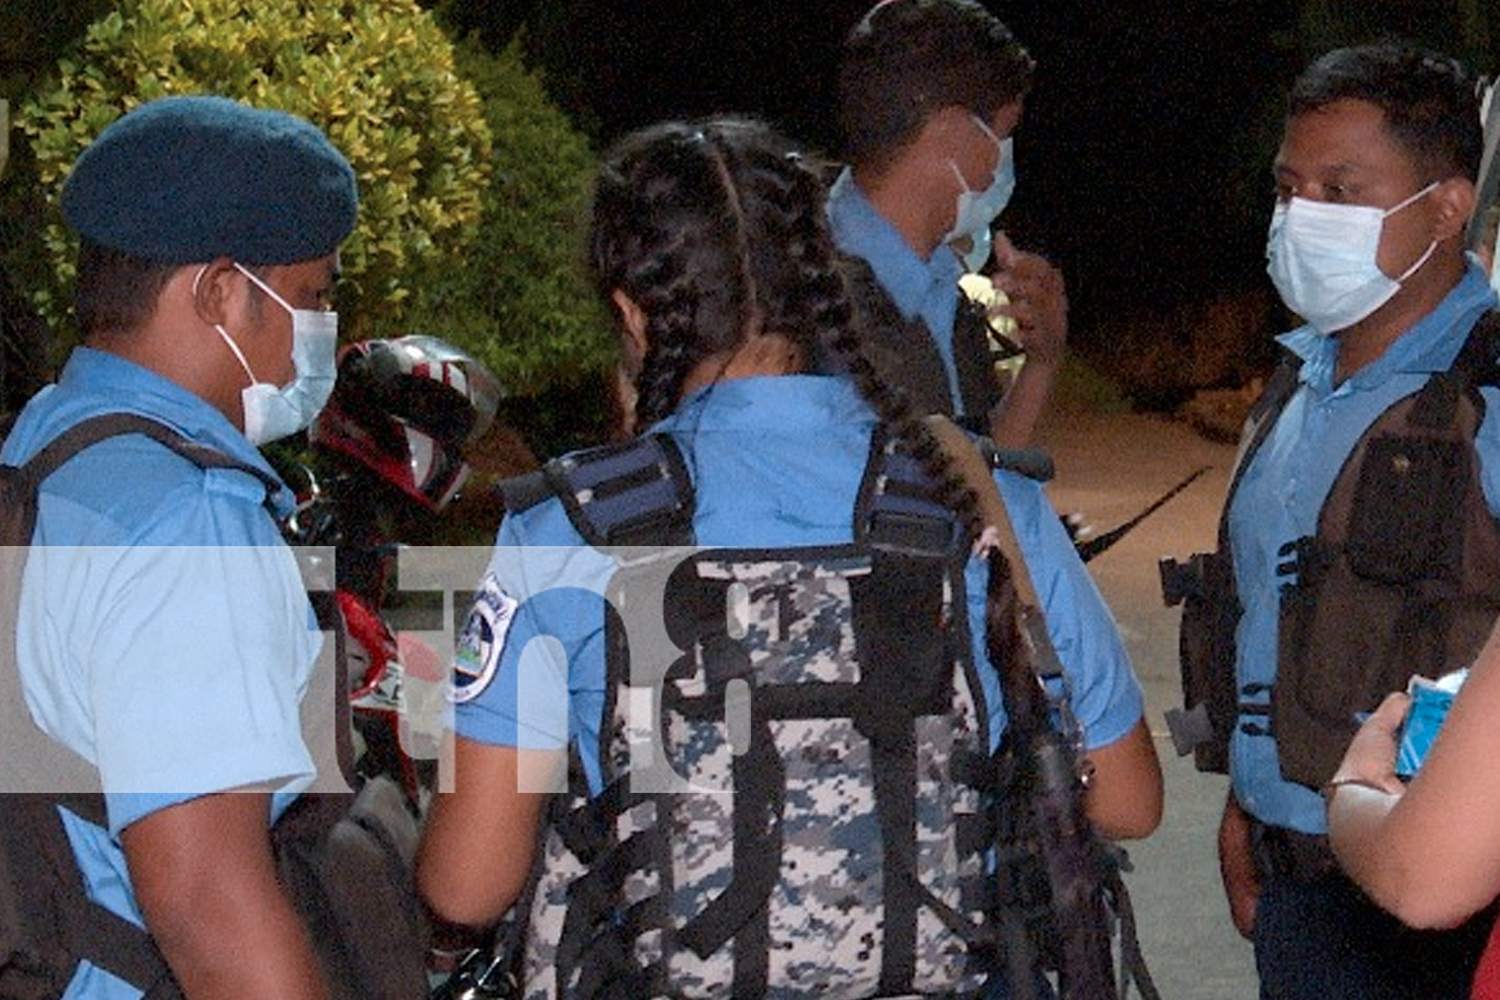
[[1430, 346], [769, 404], [861, 231], [110, 383]]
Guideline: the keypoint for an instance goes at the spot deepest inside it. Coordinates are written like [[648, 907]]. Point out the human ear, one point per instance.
[[214, 288], [633, 325], [1455, 204]]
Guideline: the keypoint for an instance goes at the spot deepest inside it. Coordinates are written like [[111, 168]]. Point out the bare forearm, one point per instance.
[[206, 882], [229, 953], [460, 883], [1014, 419], [1358, 826], [1125, 796], [1426, 852], [1037, 301], [1237, 866]]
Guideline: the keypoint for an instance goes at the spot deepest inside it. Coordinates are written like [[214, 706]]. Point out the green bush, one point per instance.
[[377, 75], [523, 302]]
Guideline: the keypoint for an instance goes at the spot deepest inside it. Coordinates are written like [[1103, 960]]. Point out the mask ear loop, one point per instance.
[[265, 288], [960, 175], [1431, 247], [1414, 198], [987, 130], [223, 333], [989, 134]]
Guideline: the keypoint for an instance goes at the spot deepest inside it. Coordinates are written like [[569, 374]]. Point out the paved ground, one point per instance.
[[1109, 468]]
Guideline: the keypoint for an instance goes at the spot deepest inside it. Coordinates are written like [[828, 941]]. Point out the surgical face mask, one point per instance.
[[976, 211], [1322, 260], [273, 412]]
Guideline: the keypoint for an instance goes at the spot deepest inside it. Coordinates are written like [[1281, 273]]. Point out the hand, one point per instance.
[[1371, 757], [1038, 301], [1237, 867]]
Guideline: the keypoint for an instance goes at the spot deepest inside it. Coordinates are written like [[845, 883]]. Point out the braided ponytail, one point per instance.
[[718, 232]]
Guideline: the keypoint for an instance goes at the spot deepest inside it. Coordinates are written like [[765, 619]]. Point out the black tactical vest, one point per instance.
[[905, 354], [1403, 575]]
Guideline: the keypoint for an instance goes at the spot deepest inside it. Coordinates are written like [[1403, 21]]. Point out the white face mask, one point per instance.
[[272, 413], [1322, 259], [976, 211]]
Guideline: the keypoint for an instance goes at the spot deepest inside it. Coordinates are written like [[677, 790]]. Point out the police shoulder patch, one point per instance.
[[482, 641]]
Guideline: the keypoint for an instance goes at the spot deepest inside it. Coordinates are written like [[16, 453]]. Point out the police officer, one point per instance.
[[1375, 179], [929, 95], [711, 244], [164, 632]]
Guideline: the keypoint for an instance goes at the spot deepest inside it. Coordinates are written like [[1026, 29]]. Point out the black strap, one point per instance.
[[38, 850], [637, 493], [1480, 357], [641, 494], [35, 839], [1263, 416], [89, 432], [897, 507], [1133, 969], [740, 912], [1474, 366], [1476, 362]]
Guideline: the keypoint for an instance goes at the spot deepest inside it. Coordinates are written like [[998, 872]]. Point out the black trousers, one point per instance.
[[1318, 937]]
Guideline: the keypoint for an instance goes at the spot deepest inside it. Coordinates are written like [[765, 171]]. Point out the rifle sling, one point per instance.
[[965, 456]]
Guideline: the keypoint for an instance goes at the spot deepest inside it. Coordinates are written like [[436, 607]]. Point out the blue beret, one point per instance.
[[181, 180]]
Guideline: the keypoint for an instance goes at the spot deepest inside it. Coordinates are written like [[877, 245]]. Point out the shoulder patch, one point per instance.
[[477, 655]]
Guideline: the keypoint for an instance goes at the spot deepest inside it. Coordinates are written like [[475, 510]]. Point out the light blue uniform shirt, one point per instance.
[[164, 632], [921, 289], [776, 462], [1282, 492]]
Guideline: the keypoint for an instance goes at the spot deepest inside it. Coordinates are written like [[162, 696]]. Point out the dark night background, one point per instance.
[[1143, 159]]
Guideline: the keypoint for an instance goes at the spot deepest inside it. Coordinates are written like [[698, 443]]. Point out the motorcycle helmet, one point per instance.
[[406, 408]]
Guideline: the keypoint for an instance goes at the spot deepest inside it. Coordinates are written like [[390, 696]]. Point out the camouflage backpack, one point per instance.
[[801, 815]]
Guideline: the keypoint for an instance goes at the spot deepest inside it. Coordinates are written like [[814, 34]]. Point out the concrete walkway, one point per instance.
[[1110, 468]]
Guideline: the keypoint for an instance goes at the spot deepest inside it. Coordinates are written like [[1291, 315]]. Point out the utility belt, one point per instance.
[[1283, 853]]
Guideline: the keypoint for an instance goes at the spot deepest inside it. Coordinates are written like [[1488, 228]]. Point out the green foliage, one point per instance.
[[523, 302], [377, 75]]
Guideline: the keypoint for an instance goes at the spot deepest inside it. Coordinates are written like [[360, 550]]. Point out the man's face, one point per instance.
[[1344, 154]]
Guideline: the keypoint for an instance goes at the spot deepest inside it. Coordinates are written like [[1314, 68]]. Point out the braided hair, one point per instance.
[[717, 231]]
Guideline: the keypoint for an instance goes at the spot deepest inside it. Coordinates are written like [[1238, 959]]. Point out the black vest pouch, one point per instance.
[[1204, 585], [1358, 619], [1407, 519]]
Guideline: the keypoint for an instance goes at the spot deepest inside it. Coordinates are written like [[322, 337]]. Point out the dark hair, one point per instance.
[[907, 59], [717, 230], [115, 293], [1430, 102]]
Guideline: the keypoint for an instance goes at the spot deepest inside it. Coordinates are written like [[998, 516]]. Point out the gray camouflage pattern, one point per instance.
[[793, 621]]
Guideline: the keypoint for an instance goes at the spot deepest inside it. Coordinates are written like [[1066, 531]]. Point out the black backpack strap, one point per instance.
[[898, 507], [524, 491], [51, 922], [1263, 416], [637, 493], [89, 432], [1480, 357], [1475, 366], [38, 853]]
